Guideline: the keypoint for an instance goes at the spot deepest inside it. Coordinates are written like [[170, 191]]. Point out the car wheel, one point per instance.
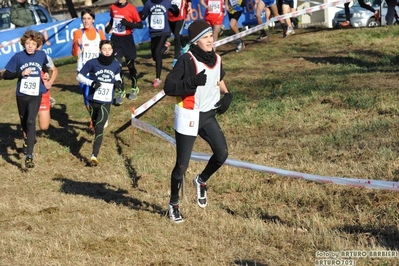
[[372, 23]]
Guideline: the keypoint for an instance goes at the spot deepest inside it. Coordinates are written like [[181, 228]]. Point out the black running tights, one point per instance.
[[99, 115], [157, 50], [28, 107], [211, 132], [177, 28]]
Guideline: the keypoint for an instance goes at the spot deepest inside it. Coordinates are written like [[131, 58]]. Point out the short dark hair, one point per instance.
[[88, 11], [102, 42]]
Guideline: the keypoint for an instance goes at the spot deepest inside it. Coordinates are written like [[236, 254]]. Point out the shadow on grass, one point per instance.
[[265, 217], [132, 173], [107, 193], [248, 263], [386, 236], [361, 59], [7, 140], [67, 134], [69, 88]]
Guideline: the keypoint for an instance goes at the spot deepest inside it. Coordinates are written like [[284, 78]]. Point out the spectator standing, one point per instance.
[[21, 15]]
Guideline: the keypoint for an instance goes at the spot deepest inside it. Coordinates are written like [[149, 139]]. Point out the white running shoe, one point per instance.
[[201, 192], [174, 213]]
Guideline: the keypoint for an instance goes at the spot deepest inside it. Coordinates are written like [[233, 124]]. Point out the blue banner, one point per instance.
[[60, 33]]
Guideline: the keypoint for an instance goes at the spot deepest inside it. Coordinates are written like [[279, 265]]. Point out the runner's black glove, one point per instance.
[[199, 79], [109, 26], [95, 85], [224, 103], [126, 23], [118, 85]]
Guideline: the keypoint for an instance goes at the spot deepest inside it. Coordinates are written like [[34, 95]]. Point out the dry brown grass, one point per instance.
[[322, 102]]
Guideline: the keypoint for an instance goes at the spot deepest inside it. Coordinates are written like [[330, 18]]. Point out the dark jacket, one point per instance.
[[21, 15]]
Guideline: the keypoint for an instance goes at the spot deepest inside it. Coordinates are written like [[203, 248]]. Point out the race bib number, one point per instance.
[[176, 2], [30, 86], [157, 22], [104, 93], [186, 121], [215, 5], [89, 52], [118, 27]]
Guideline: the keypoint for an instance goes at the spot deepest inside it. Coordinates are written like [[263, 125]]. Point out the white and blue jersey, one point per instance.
[[157, 12], [31, 85], [107, 75]]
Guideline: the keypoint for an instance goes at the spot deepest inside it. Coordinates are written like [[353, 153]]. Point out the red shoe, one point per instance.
[[345, 24], [167, 45], [377, 15], [156, 83]]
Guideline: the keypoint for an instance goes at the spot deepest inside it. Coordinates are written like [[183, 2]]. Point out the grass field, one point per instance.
[[322, 102]]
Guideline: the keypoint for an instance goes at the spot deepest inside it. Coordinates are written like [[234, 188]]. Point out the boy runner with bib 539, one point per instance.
[[27, 66]]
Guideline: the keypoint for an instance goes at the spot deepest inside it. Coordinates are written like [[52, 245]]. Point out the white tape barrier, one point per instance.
[[5, 44], [274, 19], [353, 182], [144, 107]]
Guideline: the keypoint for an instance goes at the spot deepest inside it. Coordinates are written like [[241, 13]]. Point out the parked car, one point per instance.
[[361, 17], [39, 14]]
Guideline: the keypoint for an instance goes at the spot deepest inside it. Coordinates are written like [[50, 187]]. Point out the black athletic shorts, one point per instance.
[[236, 15], [124, 46]]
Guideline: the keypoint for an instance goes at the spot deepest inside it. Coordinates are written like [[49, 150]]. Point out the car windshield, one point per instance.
[[373, 3], [4, 21]]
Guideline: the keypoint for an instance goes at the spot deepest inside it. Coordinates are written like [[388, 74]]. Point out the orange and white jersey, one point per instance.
[[89, 49]]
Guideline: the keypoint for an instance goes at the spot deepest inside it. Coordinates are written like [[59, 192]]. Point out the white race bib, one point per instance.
[[176, 2], [104, 93], [30, 86], [118, 27], [89, 51], [215, 7], [157, 22], [186, 121]]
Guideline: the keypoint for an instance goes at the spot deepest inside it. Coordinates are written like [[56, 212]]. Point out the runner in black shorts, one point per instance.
[[124, 18], [234, 11]]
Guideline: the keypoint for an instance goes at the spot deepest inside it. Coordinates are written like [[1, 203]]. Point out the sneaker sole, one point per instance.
[[177, 222], [29, 165], [196, 199], [132, 97], [156, 85]]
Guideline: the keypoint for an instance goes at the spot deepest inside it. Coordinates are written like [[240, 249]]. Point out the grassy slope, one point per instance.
[[321, 102]]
